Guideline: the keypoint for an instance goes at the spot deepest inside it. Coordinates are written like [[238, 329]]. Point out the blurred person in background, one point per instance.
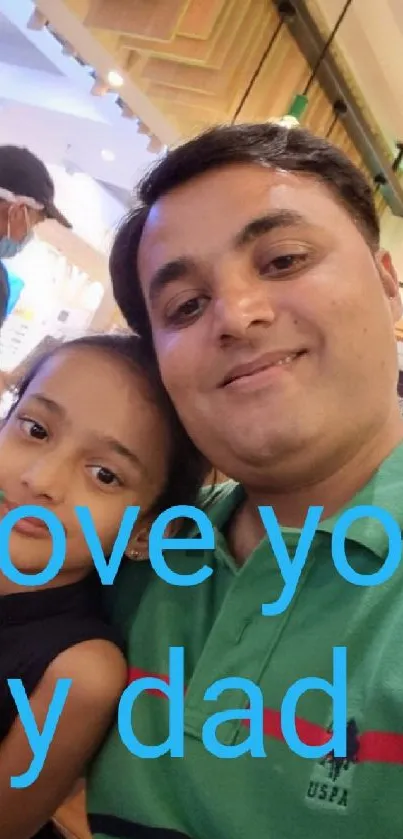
[[26, 198]]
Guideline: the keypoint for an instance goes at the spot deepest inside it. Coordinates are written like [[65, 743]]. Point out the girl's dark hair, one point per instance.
[[188, 469], [263, 144]]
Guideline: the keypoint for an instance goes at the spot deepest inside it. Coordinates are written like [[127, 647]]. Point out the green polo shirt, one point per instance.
[[224, 634]]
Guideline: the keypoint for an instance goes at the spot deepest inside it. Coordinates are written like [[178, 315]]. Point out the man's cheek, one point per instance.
[[174, 371]]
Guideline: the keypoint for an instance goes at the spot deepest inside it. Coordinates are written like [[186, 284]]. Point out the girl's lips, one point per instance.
[[29, 526]]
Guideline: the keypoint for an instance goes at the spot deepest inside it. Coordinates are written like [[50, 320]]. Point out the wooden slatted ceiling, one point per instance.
[[196, 58]]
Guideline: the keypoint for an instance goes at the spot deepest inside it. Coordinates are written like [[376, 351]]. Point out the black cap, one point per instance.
[[23, 174]]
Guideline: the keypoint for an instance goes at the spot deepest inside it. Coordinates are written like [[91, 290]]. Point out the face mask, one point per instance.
[[9, 247]]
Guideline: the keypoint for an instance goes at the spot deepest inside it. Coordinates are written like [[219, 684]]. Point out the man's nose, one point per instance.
[[242, 301]]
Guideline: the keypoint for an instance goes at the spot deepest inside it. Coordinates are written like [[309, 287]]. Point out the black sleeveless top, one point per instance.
[[35, 627]]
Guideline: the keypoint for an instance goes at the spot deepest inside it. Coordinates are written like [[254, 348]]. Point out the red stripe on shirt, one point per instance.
[[374, 746], [308, 732], [380, 747], [136, 673]]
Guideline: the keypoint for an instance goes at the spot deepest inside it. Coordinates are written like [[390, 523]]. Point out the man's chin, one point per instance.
[[258, 453]]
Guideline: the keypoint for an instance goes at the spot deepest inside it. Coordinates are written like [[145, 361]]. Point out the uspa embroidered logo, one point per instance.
[[331, 780]]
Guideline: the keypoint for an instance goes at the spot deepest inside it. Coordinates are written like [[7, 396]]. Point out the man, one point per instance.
[[26, 198], [253, 270]]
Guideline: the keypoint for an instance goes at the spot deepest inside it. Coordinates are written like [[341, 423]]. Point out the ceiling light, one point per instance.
[[286, 121], [115, 79], [108, 155]]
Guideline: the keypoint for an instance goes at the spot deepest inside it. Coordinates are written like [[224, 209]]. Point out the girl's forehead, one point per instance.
[[71, 368], [77, 376], [99, 393]]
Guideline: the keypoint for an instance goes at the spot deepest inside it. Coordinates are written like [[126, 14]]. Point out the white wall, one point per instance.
[[92, 211]]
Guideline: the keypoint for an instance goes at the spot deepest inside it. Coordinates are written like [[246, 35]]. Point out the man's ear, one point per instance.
[[390, 282]]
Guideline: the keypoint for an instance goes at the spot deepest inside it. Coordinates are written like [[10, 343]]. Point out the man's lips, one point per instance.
[[265, 362]]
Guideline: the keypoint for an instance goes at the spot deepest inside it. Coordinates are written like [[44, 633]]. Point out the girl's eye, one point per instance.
[[286, 262], [33, 429], [105, 476], [182, 313]]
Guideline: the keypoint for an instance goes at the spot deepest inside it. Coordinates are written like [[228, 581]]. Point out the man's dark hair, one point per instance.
[[263, 144], [187, 467]]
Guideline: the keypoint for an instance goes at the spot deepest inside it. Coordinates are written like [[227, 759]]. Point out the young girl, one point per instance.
[[90, 426]]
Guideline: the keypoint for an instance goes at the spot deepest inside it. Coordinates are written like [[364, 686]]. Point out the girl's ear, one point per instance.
[[137, 547]]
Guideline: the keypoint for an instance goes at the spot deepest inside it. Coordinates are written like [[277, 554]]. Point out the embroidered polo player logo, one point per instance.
[[330, 783], [338, 764]]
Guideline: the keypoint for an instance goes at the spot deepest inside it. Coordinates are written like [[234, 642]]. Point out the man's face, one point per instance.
[[272, 319]]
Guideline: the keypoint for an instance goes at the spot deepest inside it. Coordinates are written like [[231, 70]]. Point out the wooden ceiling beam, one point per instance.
[[310, 40], [158, 19]]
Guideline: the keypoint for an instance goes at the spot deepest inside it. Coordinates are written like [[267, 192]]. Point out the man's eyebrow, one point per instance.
[[168, 273], [266, 223], [178, 268]]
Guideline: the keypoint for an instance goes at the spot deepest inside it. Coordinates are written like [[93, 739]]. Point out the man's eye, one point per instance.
[[284, 263], [186, 311], [105, 476], [33, 429]]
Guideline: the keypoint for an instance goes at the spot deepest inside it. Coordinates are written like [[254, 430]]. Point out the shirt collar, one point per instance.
[[384, 490]]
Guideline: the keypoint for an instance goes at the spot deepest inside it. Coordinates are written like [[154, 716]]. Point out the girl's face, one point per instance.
[[85, 433]]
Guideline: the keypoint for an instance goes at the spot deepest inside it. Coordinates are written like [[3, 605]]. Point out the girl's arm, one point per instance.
[[98, 674]]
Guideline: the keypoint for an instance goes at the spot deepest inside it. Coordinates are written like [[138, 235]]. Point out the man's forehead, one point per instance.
[[251, 180], [219, 203]]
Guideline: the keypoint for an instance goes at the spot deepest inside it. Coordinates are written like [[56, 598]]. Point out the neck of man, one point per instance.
[[330, 487]]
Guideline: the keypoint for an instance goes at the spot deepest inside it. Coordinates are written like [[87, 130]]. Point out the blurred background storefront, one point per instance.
[[60, 283]]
